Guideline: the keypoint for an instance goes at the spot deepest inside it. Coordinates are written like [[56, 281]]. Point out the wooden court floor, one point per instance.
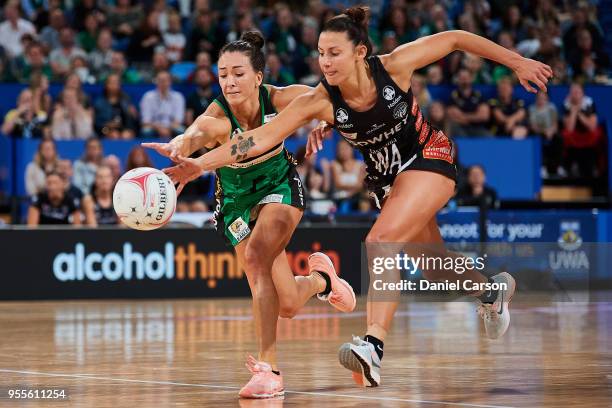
[[191, 353]]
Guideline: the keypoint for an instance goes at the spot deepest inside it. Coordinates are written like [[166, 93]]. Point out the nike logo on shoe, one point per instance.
[[373, 358]]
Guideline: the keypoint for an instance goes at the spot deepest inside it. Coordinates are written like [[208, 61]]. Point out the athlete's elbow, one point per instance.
[[452, 39]]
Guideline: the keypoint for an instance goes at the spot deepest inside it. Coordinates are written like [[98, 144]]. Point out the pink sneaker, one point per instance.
[[341, 296], [264, 383]]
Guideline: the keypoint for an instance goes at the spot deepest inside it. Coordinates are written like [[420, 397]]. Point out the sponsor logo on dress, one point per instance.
[[395, 101], [400, 110], [269, 117], [239, 229], [272, 198], [342, 115], [388, 92], [375, 127], [382, 137], [300, 189]]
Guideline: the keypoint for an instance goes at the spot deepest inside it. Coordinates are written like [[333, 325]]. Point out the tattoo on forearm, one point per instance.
[[241, 148]]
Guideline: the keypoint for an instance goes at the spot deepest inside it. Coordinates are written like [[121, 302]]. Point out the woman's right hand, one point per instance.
[[171, 150], [529, 70], [184, 172]]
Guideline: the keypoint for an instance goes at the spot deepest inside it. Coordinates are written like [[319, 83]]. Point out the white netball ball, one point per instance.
[[144, 198]]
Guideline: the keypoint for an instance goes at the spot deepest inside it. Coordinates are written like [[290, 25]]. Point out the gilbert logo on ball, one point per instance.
[[144, 198]]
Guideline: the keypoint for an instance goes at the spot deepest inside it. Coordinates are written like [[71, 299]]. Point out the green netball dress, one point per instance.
[[243, 187]]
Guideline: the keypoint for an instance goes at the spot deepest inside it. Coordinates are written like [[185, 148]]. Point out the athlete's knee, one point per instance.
[[287, 311], [288, 306], [375, 237], [393, 234], [284, 224], [383, 235], [256, 260]]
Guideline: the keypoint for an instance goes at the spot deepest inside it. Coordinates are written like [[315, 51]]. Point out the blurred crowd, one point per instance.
[[137, 39], [114, 43], [63, 192], [80, 192]]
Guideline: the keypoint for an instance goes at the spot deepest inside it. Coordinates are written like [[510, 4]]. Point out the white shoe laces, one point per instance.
[[487, 311], [256, 367], [358, 341]]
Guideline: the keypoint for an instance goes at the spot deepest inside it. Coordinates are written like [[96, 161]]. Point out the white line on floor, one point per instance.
[[314, 316], [228, 387]]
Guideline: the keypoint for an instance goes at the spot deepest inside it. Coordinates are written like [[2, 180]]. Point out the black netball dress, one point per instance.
[[393, 136]]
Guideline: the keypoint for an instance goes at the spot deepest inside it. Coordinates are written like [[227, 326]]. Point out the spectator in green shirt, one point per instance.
[[118, 66], [277, 75], [33, 62], [87, 38]]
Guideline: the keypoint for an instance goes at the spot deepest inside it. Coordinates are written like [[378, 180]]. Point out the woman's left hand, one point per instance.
[[316, 137], [185, 171], [529, 70]]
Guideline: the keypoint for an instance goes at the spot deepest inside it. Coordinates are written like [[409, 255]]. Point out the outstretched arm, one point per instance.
[[311, 105], [426, 50], [283, 96], [203, 132], [206, 129]]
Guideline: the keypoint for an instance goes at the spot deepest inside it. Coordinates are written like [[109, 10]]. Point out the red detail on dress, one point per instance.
[[424, 132], [418, 124], [438, 147], [415, 106]]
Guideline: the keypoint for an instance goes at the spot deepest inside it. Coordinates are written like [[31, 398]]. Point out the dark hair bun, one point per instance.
[[359, 14], [249, 44], [254, 38]]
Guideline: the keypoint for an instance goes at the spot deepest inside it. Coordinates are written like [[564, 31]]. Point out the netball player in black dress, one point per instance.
[[410, 165], [98, 206]]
